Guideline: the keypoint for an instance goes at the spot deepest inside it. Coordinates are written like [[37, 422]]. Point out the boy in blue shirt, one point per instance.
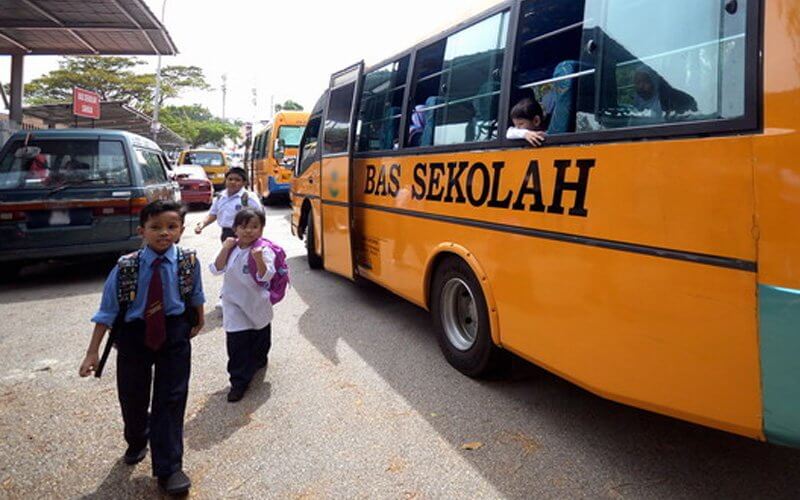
[[160, 292]]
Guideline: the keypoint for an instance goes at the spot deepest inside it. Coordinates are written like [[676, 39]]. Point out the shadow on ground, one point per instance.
[[217, 419], [658, 456], [78, 276], [119, 484]]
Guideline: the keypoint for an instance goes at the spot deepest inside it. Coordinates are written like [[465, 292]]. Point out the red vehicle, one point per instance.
[[195, 186]]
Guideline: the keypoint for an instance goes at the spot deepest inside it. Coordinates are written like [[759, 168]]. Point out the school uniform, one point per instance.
[[247, 314], [139, 351], [226, 206]]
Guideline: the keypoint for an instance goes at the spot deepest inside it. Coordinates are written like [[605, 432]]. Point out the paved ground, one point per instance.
[[357, 403]]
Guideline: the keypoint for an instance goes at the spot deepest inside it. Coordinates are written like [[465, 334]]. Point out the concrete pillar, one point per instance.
[[15, 113]]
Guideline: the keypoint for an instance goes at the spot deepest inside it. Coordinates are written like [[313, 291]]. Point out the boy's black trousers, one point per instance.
[[170, 387], [247, 353]]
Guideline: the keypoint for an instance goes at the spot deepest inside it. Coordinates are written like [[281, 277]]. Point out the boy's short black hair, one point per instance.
[[237, 171], [244, 216], [159, 207], [527, 109]]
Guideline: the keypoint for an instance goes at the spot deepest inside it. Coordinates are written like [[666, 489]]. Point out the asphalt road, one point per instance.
[[357, 403]]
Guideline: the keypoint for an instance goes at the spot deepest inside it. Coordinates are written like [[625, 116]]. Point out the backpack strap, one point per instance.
[[187, 260], [245, 199], [127, 278]]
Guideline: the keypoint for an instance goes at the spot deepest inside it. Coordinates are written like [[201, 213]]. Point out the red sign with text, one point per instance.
[[85, 103]]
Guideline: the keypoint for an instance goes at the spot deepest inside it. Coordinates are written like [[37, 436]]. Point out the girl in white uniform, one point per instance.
[[246, 308]]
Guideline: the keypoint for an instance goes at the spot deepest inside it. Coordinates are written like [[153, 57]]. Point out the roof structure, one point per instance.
[[81, 27], [113, 115]]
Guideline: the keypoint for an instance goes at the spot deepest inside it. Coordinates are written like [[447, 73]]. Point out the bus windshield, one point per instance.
[[291, 135], [204, 159]]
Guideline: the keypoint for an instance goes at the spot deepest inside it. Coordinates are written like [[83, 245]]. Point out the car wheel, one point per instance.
[[9, 271], [314, 260], [461, 318]]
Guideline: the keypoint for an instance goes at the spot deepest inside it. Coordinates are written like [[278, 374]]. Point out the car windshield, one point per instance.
[[291, 135], [190, 172], [62, 163], [203, 158]]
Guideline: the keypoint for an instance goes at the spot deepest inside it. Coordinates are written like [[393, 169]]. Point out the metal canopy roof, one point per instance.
[[81, 27], [113, 115]]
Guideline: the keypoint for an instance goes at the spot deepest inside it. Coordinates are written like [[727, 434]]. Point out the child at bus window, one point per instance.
[[528, 120], [246, 307], [647, 96]]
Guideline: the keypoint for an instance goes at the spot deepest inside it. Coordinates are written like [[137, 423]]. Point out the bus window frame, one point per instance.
[[263, 149], [254, 153], [750, 122], [299, 170], [335, 85], [513, 11], [401, 133]]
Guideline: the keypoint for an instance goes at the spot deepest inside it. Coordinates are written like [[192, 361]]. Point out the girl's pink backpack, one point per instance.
[[277, 285]]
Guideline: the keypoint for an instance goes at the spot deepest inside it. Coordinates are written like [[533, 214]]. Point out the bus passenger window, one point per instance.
[[457, 87], [309, 145], [337, 121], [546, 67], [663, 62], [380, 111]]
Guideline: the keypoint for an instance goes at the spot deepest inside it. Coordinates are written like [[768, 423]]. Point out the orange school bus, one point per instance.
[[648, 251], [213, 161], [274, 152]]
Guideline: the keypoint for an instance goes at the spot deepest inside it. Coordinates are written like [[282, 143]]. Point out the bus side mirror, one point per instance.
[[280, 147]]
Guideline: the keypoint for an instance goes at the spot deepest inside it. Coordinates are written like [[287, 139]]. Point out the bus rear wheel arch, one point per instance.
[[314, 261], [461, 317]]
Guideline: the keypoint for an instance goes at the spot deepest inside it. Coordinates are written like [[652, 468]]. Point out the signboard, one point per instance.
[[85, 103]]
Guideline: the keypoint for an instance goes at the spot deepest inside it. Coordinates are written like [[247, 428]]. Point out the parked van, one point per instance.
[[213, 161], [75, 192]]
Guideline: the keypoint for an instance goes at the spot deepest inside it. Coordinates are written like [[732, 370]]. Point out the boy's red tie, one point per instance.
[[154, 317]]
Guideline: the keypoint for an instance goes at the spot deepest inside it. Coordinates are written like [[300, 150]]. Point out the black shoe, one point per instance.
[[235, 394], [176, 483], [134, 456]]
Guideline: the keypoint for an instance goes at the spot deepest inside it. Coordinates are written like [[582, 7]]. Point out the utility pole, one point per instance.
[[155, 126], [271, 107], [254, 100], [224, 92]]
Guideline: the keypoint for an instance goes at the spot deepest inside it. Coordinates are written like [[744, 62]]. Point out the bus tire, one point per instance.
[[314, 260], [461, 318]]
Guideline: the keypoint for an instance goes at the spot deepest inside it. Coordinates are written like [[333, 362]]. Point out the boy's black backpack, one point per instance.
[[127, 283]]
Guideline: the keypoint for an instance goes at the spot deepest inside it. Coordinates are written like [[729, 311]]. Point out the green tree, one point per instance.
[[174, 81], [114, 79], [197, 125], [111, 77], [288, 105]]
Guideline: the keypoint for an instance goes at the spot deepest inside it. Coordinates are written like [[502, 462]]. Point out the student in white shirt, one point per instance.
[[528, 119], [246, 308], [233, 198]]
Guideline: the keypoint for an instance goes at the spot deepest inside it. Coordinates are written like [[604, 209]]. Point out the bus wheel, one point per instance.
[[462, 320], [314, 260]]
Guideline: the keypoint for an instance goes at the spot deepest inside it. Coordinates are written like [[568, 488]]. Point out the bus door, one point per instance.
[[336, 170]]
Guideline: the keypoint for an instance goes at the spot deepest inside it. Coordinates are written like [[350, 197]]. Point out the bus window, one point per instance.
[[457, 87], [309, 145], [337, 121], [262, 146], [256, 145], [381, 103], [652, 73], [548, 49]]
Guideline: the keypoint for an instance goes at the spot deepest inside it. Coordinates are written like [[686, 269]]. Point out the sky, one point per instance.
[[283, 50]]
